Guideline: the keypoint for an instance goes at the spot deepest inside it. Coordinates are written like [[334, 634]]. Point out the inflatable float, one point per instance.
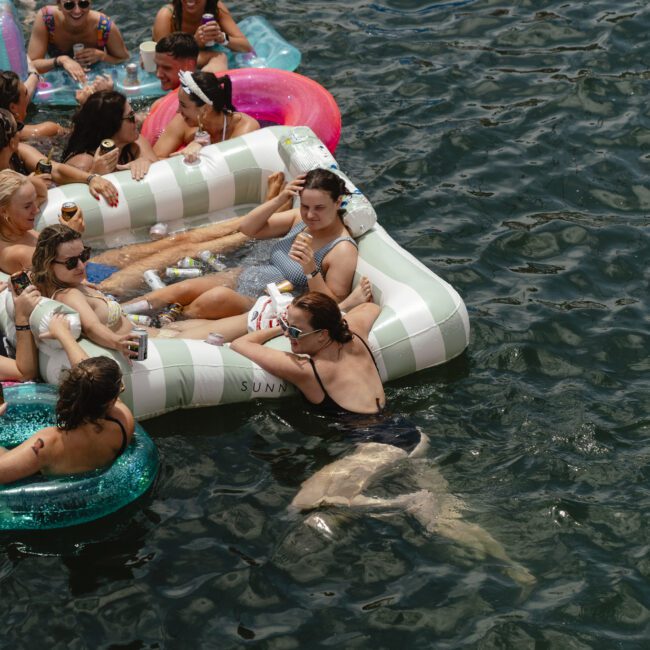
[[423, 321], [40, 503], [275, 96], [270, 50]]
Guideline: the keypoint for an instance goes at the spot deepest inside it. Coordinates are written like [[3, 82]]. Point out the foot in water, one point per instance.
[[360, 294]]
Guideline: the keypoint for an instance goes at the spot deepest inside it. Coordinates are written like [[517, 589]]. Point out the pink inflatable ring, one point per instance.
[[270, 95]]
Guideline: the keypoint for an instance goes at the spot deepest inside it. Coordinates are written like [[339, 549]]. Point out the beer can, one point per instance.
[[20, 281], [189, 263], [284, 287], [43, 166], [212, 260], [68, 210], [143, 343], [173, 273], [158, 231], [106, 146], [137, 307], [207, 18], [170, 314], [140, 319], [214, 338], [154, 281]]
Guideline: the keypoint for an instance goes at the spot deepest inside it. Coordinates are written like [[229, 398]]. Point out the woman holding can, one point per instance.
[[105, 137], [20, 199], [211, 24], [57, 31], [25, 159]]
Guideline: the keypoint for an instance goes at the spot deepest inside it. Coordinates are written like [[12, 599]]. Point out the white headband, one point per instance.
[[190, 86]]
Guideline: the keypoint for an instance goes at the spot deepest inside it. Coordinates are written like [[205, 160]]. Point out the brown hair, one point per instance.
[[324, 314], [86, 392], [46, 251], [328, 182]]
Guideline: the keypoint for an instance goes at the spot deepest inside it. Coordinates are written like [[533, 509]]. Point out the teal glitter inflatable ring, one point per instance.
[[40, 503]]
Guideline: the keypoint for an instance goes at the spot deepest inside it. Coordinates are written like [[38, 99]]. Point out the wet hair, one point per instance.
[[211, 7], [8, 127], [324, 314], [46, 252], [9, 88], [178, 45], [217, 89], [326, 181], [98, 118], [86, 392]]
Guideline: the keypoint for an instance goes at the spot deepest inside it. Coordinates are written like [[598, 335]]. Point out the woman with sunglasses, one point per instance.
[[93, 426], [204, 102], [15, 97], [58, 27], [108, 114], [23, 158], [186, 16]]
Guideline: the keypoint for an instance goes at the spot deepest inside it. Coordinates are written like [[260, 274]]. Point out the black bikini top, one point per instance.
[[123, 430]]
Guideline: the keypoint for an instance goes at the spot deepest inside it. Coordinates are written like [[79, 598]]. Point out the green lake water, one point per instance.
[[506, 146]]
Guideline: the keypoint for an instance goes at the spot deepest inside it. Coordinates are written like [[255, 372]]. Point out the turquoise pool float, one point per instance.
[[41, 503]]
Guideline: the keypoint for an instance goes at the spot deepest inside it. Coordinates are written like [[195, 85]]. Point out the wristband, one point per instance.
[[90, 177], [22, 328], [225, 41], [313, 274], [56, 62]]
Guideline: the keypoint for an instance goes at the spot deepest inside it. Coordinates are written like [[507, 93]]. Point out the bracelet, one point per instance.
[[22, 328], [90, 177], [313, 274], [56, 62], [225, 41]]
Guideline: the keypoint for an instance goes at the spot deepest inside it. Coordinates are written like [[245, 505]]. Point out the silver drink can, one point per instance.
[[143, 343], [212, 260], [158, 231], [189, 263], [182, 274], [140, 319], [154, 281], [214, 338]]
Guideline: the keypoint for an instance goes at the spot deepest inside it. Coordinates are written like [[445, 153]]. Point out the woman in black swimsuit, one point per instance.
[[333, 367], [93, 428]]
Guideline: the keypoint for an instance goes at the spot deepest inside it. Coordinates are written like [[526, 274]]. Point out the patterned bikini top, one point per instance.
[[104, 25], [114, 310]]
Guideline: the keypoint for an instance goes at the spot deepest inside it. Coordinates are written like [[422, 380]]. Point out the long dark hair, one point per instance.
[[9, 88], [324, 314], [86, 392], [217, 89], [211, 7], [98, 118], [45, 253], [326, 181], [8, 128]]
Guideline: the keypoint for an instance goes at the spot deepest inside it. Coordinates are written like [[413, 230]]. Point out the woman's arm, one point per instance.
[[263, 222], [285, 365], [26, 352], [237, 42], [171, 138], [162, 25], [37, 48], [92, 327], [59, 329], [27, 458], [140, 166]]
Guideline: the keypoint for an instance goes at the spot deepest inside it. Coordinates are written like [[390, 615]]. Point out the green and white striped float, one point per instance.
[[423, 322]]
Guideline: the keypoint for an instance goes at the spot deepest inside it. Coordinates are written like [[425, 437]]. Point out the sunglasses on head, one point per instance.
[[130, 117], [68, 5], [71, 262], [293, 332]]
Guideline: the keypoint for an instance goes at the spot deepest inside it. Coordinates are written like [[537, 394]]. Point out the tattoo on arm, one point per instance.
[[38, 445]]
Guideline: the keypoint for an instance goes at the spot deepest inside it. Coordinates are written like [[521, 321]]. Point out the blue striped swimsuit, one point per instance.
[[253, 279]]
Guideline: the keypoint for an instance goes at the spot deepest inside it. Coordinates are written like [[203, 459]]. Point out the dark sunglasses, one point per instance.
[[293, 332], [71, 262], [68, 5], [130, 117]]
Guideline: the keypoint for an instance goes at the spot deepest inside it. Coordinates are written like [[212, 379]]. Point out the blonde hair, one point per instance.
[[10, 182]]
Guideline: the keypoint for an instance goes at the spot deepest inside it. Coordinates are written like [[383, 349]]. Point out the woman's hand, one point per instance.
[[208, 33], [76, 221], [99, 186], [25, 303], [190, 153], [292, 189], [105, 163], [59, 326], [72, 68], [139, 168], [128, 346], [302, 252], [90, 55], [100, 82]]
